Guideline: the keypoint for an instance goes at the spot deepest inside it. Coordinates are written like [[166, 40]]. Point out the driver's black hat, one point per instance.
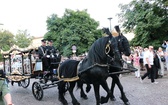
[[50, 41], [43, 40]]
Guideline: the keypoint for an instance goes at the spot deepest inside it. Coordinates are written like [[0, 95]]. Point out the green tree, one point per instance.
[[6, 40], [73, 28], [23, 39], [147, 19]]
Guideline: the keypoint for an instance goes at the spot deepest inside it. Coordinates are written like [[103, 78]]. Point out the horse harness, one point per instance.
[[107, 50]]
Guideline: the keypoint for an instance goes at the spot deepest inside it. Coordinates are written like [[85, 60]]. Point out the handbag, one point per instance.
[[162, 58]]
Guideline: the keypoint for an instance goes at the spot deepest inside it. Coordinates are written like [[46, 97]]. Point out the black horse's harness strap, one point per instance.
[[96, 64]]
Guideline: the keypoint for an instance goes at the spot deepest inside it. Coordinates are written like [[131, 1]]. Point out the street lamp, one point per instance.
[[110, 21]]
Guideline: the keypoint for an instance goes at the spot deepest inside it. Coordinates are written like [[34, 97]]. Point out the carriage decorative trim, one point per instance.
[[17, 77]]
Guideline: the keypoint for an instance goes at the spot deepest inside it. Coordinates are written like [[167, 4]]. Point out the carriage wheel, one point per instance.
[[37, 90], [25, 83]]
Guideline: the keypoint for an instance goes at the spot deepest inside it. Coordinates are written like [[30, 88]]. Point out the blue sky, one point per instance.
[[32, 14]]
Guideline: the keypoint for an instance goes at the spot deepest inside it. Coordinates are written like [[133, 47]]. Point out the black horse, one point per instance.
[[91, 70], [124, 48]]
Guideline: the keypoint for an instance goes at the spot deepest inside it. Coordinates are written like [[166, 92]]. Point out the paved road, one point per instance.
[[138, 93]]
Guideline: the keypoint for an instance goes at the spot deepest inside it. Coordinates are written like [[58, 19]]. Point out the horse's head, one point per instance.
[[123, 43], [104, 49], [112, 44], [112, 52]]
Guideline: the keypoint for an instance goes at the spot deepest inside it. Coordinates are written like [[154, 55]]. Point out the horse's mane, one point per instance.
[[97, 53]]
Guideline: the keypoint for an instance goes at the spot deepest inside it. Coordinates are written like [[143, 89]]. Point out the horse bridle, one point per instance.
[[108, 49], [120, 43]]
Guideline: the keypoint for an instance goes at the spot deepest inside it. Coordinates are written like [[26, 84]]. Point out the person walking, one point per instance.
[[141, 54], [156, 65], [5, 96], [148, 61], [160, 55]]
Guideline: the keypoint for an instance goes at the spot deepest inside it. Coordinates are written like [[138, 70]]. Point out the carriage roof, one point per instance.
[[16, 50]]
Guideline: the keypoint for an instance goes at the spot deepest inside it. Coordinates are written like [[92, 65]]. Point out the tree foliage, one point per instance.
[[23, 39], [147, 19], [73, 28], [6, 40]]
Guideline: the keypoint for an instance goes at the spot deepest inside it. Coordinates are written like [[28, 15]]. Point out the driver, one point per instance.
[[51, 49], [53, 57], [42, 52]]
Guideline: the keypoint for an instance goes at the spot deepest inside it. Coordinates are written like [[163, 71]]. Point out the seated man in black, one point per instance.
[[52, 53], [51, 49], [42, 52]]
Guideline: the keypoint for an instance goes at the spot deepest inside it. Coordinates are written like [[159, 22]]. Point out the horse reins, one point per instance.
[[96, 64]]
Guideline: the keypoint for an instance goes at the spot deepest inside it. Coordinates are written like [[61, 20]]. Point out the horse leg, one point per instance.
[[123, 97], [88, 88], [97, 94], [61, 88], [112, 89], [74, 100], [82, 93], [106, 88]]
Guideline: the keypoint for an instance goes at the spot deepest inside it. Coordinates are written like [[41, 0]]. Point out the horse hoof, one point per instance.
[[126, 103], [113, 99], [77, 103], [64, 102], [84, 97], [104, 100]]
